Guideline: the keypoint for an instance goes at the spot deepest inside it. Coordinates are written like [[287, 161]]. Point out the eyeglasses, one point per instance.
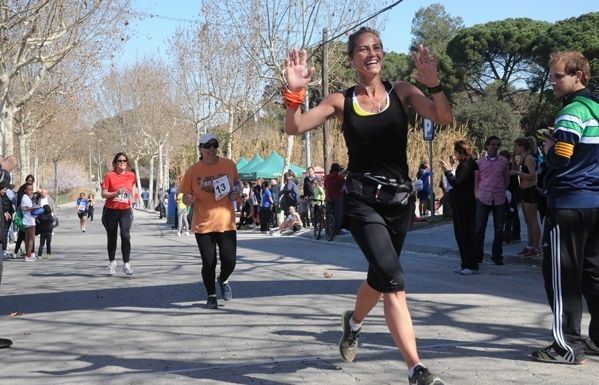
[[210, 145], [558, 76], [121, 160]]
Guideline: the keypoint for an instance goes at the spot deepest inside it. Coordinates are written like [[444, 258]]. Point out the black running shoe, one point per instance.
[[225, 290], [589, 347], [211, 302], [422, 376], [5, 342], [348, 345]]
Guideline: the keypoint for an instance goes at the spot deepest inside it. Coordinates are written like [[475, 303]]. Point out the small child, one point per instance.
[[303, 206], [45, 225]]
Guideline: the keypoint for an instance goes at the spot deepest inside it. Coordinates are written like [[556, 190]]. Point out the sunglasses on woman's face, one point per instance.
[[210, 145], [121, 160]]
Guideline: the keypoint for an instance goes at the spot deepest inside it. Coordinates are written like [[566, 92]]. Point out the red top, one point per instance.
[[113, 182], [333, 186]]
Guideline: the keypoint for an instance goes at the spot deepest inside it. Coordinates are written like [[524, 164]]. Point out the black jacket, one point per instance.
[[44, 223]]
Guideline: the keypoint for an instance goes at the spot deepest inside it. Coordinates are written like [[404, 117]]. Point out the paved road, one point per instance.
[[79, 326]]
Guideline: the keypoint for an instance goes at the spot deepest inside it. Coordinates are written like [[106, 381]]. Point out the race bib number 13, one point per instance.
[[221, 187]]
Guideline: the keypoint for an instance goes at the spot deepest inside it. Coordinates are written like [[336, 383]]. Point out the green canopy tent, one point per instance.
[[247, 169], [271, 167], [241, 163]]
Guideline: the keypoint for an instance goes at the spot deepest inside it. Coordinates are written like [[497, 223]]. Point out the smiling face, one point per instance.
[[367, 55], [121, 163], [209, 150]]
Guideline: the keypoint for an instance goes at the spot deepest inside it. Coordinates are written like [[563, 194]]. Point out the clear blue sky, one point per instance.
[[150, 34]]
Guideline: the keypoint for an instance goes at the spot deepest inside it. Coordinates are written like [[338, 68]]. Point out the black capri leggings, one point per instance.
[[113, 219], [227, 248], [381, 248]]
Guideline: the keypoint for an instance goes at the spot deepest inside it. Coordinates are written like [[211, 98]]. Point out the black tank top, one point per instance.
[[377, 143]]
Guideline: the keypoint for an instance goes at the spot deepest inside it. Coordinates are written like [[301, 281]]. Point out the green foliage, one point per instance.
[[486, 116], [496, 51], [573, 34], [434, 27], [397, 66]]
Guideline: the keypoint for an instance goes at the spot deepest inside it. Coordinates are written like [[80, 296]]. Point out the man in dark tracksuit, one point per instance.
[[571, 237]]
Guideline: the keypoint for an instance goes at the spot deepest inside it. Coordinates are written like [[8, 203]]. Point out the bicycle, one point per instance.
[[324, 218], [318, 218]]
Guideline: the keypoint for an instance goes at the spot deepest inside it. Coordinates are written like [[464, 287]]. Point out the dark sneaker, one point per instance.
[[422, 376], [589, 347], [549, 354], [348, 345], [225, 290], [498, 260], [211, 303], [5, 342]]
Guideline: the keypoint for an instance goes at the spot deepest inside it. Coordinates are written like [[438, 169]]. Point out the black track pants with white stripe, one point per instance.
[[571, 271]]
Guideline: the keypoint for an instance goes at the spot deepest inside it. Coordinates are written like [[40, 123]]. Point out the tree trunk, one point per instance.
[[230, 132], [167, 176], [160, 166], [7, 114], [23, 157], [137, 181], [151, 183], [288, 153], [55, 163]]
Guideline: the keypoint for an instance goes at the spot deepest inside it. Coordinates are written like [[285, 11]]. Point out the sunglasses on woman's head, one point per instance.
[[210, 145]]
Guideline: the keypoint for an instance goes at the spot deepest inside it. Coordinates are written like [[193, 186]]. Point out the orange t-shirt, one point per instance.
[[113, 182], [210, 215]]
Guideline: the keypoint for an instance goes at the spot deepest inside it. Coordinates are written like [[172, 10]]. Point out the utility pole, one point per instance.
[[325, 92]]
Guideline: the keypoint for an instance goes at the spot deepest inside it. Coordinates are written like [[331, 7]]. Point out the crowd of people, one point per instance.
[[374, 197]]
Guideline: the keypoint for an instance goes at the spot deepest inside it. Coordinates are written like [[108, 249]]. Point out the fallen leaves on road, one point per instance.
[[328, 275]]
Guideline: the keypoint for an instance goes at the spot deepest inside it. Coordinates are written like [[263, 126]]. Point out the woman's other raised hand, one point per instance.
[[426, 67], [298, 76]]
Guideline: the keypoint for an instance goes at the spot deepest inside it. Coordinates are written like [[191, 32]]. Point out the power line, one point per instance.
[[383, 10]]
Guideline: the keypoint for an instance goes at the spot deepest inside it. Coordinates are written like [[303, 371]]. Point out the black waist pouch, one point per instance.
[[378, 189]]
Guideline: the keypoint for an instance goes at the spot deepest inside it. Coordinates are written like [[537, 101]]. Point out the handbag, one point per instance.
[[18, 219], [378, 189]]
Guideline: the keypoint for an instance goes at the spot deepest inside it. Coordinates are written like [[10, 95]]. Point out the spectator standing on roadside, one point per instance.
[[44, 225], [571, 244], [7, 164], [333, 187], [265, 207], [463, 203], [490, 182]]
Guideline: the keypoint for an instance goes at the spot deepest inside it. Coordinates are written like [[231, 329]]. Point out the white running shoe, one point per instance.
[[111, 267], [178, 234], [127, 269], [187, 233], [31, 258]]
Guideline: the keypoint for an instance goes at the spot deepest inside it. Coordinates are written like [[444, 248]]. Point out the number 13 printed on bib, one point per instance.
[[221, 187]]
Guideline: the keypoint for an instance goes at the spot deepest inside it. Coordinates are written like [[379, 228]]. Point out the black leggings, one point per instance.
[[227, 248], [113, 219], [90, 213], [381, 248]]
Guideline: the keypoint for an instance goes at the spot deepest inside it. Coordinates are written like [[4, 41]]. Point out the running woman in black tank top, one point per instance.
[[375, 130]]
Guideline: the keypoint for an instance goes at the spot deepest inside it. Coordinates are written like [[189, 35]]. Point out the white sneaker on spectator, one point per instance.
[[111, 267], [187, 233], [178, 234], [30, 258], [127, 269]]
